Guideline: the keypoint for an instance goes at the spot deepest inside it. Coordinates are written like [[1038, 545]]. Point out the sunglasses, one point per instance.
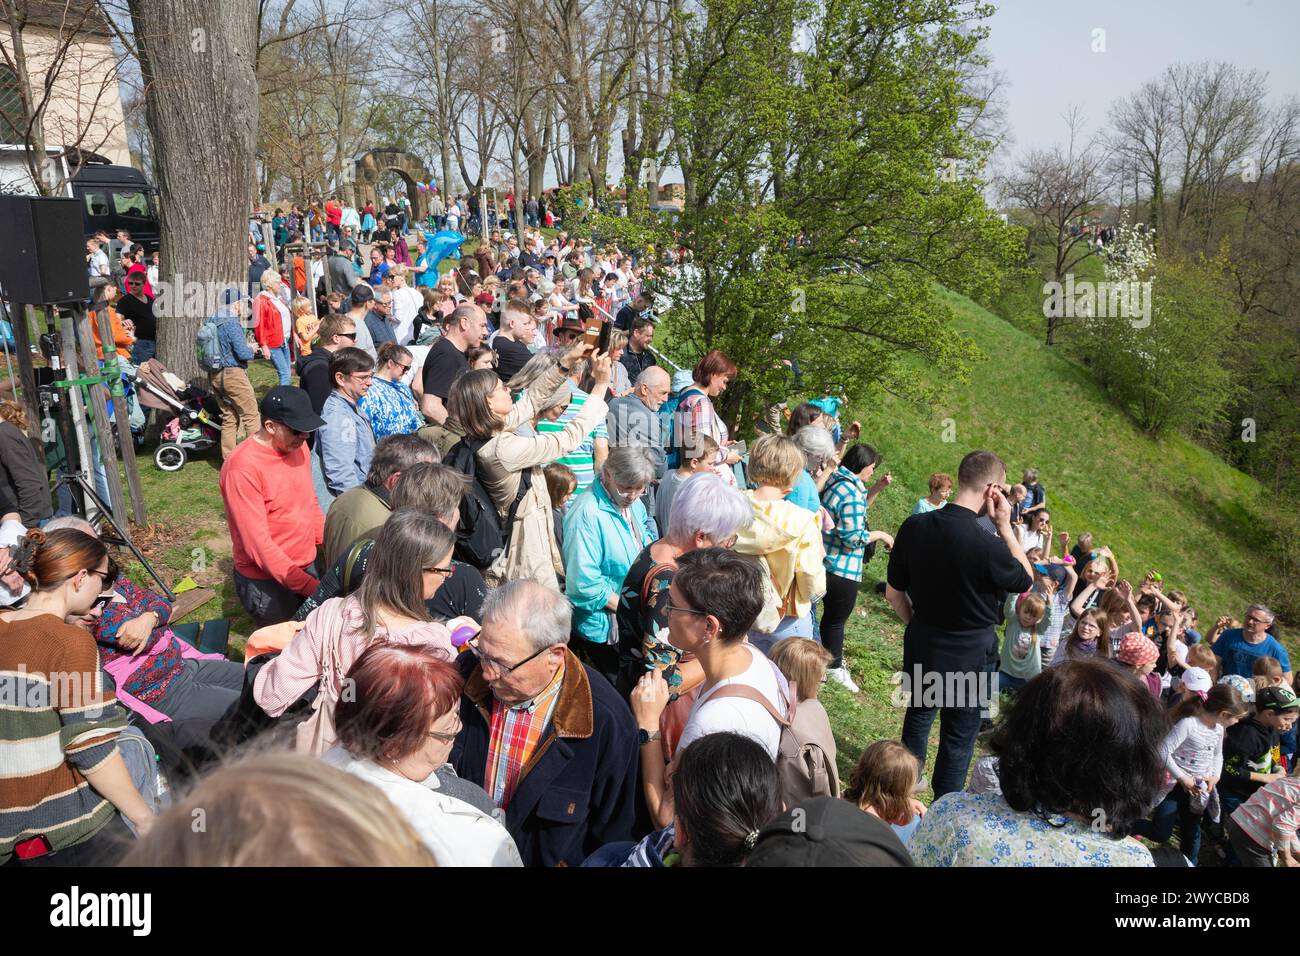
[[445, 572], [348, 335]]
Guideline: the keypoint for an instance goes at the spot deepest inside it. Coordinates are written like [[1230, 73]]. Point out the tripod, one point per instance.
[[82, 490]]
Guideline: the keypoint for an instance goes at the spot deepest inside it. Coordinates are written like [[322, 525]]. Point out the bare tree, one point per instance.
[[1056, 191], [65, 73]]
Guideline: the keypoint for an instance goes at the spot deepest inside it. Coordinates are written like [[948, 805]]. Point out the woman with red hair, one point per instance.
[[396, 732], [695, 412]]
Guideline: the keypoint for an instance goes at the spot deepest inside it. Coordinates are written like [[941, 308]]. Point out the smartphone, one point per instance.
[[592, 334], [602, 340]]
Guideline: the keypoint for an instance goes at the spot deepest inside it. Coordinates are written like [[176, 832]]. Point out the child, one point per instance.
[[881, 784], [1054, 583], [480, 356], [1266, 823], [1199, 655], [1121, 612], [1089, 637], [701, 449], [1251, 749], [1140, 655], [1193, 755], [305, 325], [1267, 672], [1037, 497], [1026, 617], [1082, 550], [560, 485], [1017, 499], [803, 662]]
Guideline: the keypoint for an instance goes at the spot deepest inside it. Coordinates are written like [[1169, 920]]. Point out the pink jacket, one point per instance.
[[298, 667]]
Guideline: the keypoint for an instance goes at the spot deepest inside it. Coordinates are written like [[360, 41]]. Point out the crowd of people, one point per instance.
[[522, 602]]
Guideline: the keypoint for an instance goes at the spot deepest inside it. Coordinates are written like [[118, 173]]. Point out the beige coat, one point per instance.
[[533, 552]]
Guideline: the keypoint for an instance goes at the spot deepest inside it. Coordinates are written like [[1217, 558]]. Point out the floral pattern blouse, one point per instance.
[[980, 829], [391, 409]]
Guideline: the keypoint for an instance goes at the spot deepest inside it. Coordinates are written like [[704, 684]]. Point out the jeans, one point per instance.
[[142, 763], [789, 627], [280, 359], [204, 690], [1248, 852], [958, 728], [143, 350], [1007, 682], [268, 602], [1175, 807], [837, 605]]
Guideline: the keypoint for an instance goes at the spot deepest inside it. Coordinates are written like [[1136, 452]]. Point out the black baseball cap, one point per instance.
[[1276, 698], [826, 831], [291, 406]]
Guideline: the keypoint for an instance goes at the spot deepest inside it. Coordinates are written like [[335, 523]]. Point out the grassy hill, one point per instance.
[[1165, 504]]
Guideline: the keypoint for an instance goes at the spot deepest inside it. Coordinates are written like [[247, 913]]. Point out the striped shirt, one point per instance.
[[56, 722], [845, 497], [1270, 816], [516, 730], [581, 460]]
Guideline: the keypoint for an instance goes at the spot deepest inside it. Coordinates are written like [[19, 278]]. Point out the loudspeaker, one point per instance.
[[42, 251]]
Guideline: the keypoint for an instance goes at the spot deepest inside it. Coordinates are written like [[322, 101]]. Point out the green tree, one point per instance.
[[830, 183]]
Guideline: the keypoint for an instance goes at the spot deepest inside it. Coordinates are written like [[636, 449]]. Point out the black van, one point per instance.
[[117, 197]]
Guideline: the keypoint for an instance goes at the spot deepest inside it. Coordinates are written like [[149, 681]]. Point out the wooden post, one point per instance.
[[18, 320], [75, 330], [121, 416]]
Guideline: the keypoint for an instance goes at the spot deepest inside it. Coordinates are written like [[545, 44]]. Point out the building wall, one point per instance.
[[85, 105]]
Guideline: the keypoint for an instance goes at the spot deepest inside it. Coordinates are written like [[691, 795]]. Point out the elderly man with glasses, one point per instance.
[[549, 739], [1240, 647]]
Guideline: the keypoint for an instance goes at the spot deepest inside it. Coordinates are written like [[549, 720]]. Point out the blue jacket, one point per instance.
[[345, 444], [598, 550], [581, 789], [235, 350]]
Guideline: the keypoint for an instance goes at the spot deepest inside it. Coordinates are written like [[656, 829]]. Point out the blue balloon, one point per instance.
[[441, 244]]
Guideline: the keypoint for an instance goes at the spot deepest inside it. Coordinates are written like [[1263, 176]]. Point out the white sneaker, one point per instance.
[[842, 677]]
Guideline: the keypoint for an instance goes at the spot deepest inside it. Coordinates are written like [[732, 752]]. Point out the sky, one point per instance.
[[1044, 48]]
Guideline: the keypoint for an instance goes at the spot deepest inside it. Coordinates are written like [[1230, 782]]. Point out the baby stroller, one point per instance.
[[192, 429]]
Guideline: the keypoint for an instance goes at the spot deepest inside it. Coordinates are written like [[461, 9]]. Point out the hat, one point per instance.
[[1137, 651], [682, 378], [290, 405], [1054, 571], [1276, 698], [826, 831], [1241, 685], [1197, 680], [571, 323]]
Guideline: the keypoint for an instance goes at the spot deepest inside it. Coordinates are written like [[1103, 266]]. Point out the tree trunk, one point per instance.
[[201, 106]]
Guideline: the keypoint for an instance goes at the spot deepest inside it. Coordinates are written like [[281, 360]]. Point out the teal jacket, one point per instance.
[[599, 548]]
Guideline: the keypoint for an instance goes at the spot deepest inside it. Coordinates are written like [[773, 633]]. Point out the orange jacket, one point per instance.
[[122, 339]]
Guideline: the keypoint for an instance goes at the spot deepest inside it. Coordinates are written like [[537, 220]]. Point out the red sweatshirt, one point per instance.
[[275, 523]]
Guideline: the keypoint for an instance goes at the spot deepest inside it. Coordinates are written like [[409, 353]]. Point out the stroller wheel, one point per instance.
[[169, 457]]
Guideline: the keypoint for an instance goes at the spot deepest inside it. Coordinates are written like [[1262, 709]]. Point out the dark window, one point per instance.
[[96, 203], [130, 202]]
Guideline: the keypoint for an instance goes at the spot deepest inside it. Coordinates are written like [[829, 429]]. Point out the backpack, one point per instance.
[[803, 769], [480, 539], [208, 340]]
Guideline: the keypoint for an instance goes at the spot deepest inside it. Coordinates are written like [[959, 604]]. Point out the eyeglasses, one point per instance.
[[445, 737], [685, 610], [1257, 620], [363, 376], [496, 665], [445, 572]]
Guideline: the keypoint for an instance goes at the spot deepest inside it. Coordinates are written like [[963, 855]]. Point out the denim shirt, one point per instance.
[[344, 444], [235, 350]]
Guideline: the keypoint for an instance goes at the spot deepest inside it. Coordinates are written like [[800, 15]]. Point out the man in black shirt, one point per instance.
[[466, 328], [947, 579], [137, 307], [511, 344], [637, 357], [637, 308]]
